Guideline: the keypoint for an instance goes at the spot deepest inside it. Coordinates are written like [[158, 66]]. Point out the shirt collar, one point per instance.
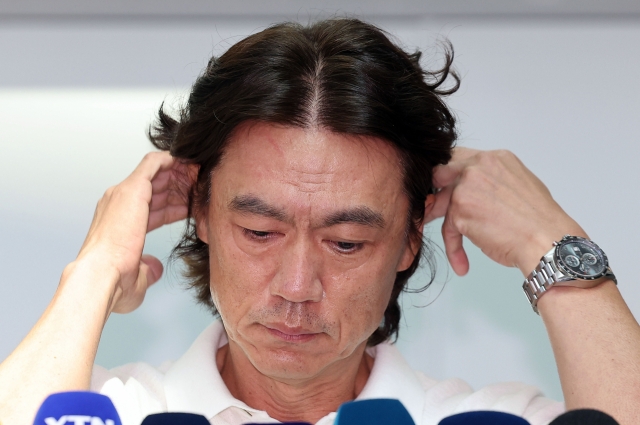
[[193, 383], [392, 377]]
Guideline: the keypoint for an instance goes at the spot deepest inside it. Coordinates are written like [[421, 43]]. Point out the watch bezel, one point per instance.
[[566, 270]]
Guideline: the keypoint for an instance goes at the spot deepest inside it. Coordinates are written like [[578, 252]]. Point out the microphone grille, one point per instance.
[[483, 417], [584, 417], [175, 418]]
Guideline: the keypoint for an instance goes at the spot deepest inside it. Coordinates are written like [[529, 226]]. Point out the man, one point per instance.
[[308, 161]]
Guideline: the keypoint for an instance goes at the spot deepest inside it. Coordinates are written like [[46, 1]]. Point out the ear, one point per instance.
[[199, 215], [413, 245], [428, 206], [202, 227]]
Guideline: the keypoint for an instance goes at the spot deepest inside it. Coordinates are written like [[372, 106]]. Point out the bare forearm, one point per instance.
[[110, 274], [596, 343], [505, 210], [58, 353]]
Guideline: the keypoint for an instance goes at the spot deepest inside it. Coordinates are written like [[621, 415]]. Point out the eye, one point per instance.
[[347, 247], [256, 235]]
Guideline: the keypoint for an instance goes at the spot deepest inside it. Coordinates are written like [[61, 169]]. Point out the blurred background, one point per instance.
[[554, 81]]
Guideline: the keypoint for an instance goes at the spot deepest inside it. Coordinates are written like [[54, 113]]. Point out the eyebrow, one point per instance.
[[250, 204], [362, 215], [359, 215]]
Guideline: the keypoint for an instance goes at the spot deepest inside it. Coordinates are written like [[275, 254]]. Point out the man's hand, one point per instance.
[[495, 201], [110, 274], [152, 196]]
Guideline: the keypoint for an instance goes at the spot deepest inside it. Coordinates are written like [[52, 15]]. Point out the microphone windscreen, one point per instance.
[[373, 411], [77, 407], [483, 417], [584, 417], [175, 419]]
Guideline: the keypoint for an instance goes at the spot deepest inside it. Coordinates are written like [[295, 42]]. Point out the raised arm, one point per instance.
[[109, 275], [496, 202]]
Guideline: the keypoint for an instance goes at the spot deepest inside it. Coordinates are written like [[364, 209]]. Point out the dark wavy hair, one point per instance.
[[342, 75]]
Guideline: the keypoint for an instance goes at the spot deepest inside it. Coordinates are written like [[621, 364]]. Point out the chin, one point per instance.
[[289, 364], [299, 362]]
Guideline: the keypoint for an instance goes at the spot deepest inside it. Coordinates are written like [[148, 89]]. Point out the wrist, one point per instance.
[[574, 261], [539, 245], [92, 280]]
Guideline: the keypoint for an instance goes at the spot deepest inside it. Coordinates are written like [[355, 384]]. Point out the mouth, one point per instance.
[[286, 333]]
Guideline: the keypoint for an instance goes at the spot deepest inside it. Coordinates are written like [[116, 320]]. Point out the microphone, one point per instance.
[[366, 412], [483, 417], [77, 408], [584, 417], [175, 419], [373, 411]]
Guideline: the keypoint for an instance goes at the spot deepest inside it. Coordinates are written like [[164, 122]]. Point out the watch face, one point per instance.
[[581, 258]]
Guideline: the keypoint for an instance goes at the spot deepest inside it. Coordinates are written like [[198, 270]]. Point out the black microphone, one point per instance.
[[77, 407], [175, 419], [584, 417], [483, 417]]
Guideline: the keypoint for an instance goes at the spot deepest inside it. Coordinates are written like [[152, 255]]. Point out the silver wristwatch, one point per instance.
[[574, 261]]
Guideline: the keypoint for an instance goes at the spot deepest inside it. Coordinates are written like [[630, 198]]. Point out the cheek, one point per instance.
[[361, 299], [371, 299], [238, 282]]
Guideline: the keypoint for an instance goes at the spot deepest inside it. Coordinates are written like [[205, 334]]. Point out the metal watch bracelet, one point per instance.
[[546, 275]]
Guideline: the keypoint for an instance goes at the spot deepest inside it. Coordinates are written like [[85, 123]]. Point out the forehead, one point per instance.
[[305, 167]]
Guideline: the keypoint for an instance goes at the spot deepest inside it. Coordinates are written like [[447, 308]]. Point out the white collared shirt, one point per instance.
[[193, 384]]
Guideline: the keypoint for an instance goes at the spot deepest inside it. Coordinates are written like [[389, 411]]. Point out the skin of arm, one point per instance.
[[496, 202], [109, 275]]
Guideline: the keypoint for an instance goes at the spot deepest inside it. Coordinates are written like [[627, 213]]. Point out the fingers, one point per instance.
[[152, 163], [166, 207], [151, 268], [149, 272], [445, 178], [161, 181], [165, 199], [170, 188], [160, 200], [445, 175], [440, 205], [165, 192], [462, 154], [456, 254], [167, 215], [144, 201], [156, 168], [178, 176]]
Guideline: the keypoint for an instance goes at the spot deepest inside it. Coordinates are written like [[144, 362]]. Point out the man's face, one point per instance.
[[306, 231]]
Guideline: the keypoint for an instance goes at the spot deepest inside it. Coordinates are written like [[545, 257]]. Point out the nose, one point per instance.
[[297, 279]]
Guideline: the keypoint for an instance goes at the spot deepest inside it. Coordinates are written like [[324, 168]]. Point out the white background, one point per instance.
[[76, 97]]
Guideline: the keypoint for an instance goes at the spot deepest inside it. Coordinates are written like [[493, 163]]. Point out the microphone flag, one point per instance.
[[483, 417], [174, 418], [77, 408], [375, 411]]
